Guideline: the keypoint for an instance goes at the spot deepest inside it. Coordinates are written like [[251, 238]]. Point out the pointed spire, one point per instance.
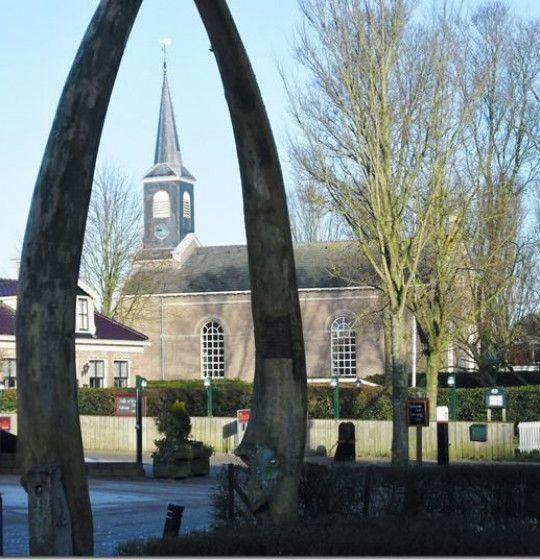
[[167, 145]]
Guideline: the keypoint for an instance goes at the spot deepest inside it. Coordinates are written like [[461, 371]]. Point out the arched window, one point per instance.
[[161, 207], [186, 205], [343, 347], [212, 350]]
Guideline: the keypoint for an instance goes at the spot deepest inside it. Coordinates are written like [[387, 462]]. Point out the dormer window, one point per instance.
[[186, 203], [161, 205], [83, 315]]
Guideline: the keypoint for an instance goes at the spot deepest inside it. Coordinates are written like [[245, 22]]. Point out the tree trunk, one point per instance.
[[400, 378], [387, 330], [433, 366], [274, 443], [50, 445]]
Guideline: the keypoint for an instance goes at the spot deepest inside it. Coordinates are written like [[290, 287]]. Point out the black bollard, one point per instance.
[[346, 446], [442, 443], [173, 520]]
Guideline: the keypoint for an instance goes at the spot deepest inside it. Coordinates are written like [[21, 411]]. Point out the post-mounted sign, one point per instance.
[[125, 404], [418, 412], [495, 397]]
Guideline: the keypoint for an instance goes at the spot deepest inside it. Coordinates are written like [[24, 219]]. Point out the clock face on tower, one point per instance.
[[161, 231]]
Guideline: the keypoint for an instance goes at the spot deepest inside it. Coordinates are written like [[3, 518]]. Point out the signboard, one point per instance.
[[442, 414], [495, 397], [242, 415], [242, 419], [125, 404], [5, 423], [418, 412]]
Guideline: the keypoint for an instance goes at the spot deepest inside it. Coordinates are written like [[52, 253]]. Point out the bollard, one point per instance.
[[1, 528], [173, 520], [442, 443]]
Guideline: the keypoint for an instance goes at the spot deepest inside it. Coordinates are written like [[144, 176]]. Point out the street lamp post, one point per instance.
[[334, 383], [451, 381], [209, 396], [2, 387], [140, 384]]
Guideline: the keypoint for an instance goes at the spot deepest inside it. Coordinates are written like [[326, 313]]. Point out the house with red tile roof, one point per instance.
[[108, 353]]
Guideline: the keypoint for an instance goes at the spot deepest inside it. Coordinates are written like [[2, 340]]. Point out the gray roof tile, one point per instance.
[[225, 268]]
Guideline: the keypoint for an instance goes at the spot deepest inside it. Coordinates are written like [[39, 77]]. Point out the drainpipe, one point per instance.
[[162, 341]]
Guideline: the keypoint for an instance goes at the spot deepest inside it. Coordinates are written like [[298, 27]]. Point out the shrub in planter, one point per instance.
[[177, 456]]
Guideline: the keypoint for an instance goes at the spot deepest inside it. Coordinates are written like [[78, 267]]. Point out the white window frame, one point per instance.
[[9, 373], [212, 350], [186, 205], [126, 377], [161, 205], [83, 314], [343, 352], [90, 372]]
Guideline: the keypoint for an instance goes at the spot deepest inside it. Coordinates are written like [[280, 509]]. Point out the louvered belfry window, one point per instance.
[[161, 207], [186, 204]]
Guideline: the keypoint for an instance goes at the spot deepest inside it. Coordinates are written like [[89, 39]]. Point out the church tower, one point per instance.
[[168, 186]]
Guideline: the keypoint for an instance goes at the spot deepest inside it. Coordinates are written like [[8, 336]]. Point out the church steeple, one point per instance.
[[168, 185], [167, 145]]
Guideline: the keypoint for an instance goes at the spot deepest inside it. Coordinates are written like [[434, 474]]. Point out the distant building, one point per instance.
[[197, 311], [108, 354]]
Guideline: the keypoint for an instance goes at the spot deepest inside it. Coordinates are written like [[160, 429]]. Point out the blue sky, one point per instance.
[[38, 40]]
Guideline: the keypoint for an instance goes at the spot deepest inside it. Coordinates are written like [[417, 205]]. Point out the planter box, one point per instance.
[[191, 459]]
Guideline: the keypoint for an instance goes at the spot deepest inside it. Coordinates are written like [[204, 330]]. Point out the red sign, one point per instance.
[[5, 423], [242, 415]]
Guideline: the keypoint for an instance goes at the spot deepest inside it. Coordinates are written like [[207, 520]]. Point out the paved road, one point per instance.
[[122, 509]]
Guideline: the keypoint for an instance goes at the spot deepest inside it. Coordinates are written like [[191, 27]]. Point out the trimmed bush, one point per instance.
[[370, 403], [478, 494], [347, 536]]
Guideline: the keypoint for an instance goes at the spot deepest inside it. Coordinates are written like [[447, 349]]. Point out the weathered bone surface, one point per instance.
[[48, 513], [49, 430], [273, 445]]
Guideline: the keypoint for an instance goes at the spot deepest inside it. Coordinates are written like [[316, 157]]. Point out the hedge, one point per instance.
[[370, 403]]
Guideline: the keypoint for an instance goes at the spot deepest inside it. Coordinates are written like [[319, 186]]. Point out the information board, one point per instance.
[[495, 397], [418, 412], [125, 404], [242, 419]]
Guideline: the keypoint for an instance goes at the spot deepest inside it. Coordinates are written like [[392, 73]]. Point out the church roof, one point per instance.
[[167, 157], [225, 269]]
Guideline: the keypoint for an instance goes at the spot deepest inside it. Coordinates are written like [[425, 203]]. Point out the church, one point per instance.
[[195, 300]]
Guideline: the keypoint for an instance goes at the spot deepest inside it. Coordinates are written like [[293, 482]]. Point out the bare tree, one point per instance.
[[274, 443], [50, 446], [112, 237], [312, 217], [501, 165], [380, 127]]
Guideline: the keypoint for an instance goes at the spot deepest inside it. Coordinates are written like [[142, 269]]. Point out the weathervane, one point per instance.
[[165, 42]]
